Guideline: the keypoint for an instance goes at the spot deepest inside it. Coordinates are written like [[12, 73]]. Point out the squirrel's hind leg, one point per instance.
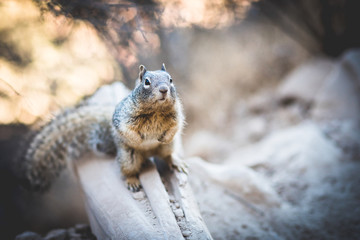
[[131, 162]]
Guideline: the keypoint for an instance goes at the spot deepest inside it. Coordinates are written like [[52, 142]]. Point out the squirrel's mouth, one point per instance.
[[162, 98]]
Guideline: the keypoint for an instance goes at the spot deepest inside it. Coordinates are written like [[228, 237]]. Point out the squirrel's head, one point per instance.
[[155, 87]]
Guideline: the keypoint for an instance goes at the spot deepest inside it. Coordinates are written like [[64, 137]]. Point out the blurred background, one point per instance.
[[227, 58]]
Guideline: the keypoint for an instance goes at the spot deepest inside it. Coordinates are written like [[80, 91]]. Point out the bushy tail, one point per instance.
[[67, 137]]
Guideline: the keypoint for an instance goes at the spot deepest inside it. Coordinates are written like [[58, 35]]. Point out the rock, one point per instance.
[[58, 234], [339, 98], [178, 213], [207, 145], [71, 231], [177, 205], [28, 236], [82, 228], [303, 83], [256, 128], [346, 135], [139, 195], [251, 238], [186, 233], [115, 214], [182, 225], [236, 178], [257, 104], [287, 186], [74, 236], [171, 199], [292, 151]]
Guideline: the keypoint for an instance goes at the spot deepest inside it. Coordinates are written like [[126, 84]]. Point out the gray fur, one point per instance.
[[146, 123], [66, 138]]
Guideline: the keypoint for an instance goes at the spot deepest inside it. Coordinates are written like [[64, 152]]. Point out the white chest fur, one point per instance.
[[149, 143]]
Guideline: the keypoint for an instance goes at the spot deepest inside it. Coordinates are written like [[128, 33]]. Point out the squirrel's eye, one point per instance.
[[170, 80], [147, 82]]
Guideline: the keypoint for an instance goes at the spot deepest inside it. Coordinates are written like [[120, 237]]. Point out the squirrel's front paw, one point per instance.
[[165, 140], [180, 166], [133, 184], [167, 137]]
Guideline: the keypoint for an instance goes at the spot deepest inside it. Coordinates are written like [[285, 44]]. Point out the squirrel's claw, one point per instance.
[[180, 167], [175, 162], [133, 184]]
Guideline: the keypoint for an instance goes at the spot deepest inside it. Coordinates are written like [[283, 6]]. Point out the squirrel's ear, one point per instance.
[[163, 67], [142, 71]]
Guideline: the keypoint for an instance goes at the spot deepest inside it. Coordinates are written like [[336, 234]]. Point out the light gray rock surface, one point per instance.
[[28, 236], [305, 81], [297, 178], [339, 96], [284, 187], [117, 213], [57, 234]]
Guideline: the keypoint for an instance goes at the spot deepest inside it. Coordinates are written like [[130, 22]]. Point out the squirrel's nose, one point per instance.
[[164, 89]]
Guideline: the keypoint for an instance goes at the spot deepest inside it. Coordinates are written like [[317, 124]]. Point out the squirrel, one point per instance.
[[146, 123]]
